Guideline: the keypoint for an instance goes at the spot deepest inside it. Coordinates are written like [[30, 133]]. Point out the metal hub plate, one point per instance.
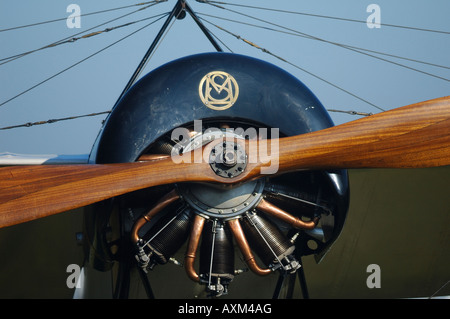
[[222, 201], [228, 159]]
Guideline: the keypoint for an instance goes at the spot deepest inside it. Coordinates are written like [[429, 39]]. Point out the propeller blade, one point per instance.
[[32, 192], [412, 136]]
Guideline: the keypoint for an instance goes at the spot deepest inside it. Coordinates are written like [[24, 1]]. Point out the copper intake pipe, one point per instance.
[[241, 241], [168, 199], [196, 232], [277, 212]]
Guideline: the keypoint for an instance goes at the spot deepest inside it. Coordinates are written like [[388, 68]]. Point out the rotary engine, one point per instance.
[[212, 219]]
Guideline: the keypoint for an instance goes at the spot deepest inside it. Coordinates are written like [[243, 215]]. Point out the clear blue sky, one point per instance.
[[94, 85]]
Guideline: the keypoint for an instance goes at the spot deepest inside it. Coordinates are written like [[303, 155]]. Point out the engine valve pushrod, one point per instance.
[[196, 232], [277, 212], [242, 242], [164, 202]]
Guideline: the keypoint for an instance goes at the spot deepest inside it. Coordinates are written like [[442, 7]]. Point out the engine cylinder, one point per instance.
[[217, 257], [269, 243], [168, 235]]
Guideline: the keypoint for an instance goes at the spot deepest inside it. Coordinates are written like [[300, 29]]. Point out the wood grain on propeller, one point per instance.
[[412, 136], [31, 192]]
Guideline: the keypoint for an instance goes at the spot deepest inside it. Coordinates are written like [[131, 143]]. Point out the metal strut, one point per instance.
[[203, 28], [288, 281], [178, 12]]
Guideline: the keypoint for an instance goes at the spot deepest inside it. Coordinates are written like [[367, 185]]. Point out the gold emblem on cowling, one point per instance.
[[218, 90]]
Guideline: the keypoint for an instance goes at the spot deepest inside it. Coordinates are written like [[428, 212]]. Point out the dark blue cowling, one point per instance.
[[168, 97]]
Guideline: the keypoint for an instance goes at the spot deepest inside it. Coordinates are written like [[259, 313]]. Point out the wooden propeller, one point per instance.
[[412, 136]]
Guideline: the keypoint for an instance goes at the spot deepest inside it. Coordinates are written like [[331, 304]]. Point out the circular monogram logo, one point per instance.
[[218, 90]]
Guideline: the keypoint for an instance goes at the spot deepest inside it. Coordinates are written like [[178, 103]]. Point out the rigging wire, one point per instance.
[[321, 16], [437, 291], [84, 59], [213, 3], [50, 121], [218, 39], [67, 39], [89, 35], [350, 112], [158, 44], [304, 35], [290, 63], [337, 44], [84, 15], [294, 65]]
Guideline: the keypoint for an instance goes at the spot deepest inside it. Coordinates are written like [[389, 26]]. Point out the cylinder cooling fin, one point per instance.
[[274, 248], [217, 268]]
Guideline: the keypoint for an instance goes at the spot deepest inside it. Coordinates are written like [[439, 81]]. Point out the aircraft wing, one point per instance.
[[9, 159]]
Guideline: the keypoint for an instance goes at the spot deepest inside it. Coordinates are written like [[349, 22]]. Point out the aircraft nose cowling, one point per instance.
[[230, 91], [171, 95]]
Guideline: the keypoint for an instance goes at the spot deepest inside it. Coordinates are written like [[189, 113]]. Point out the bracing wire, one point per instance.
[[70, 38], [304, 35], [84, 15], [350, 112], [295, 66], [73, 38], [50, 121], [216, 3], [160, 16], [74, 117], [164, 35], [336, 44]]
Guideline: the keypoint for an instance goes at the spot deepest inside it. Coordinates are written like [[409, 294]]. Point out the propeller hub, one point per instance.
[[228, 159], [222, 201]]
